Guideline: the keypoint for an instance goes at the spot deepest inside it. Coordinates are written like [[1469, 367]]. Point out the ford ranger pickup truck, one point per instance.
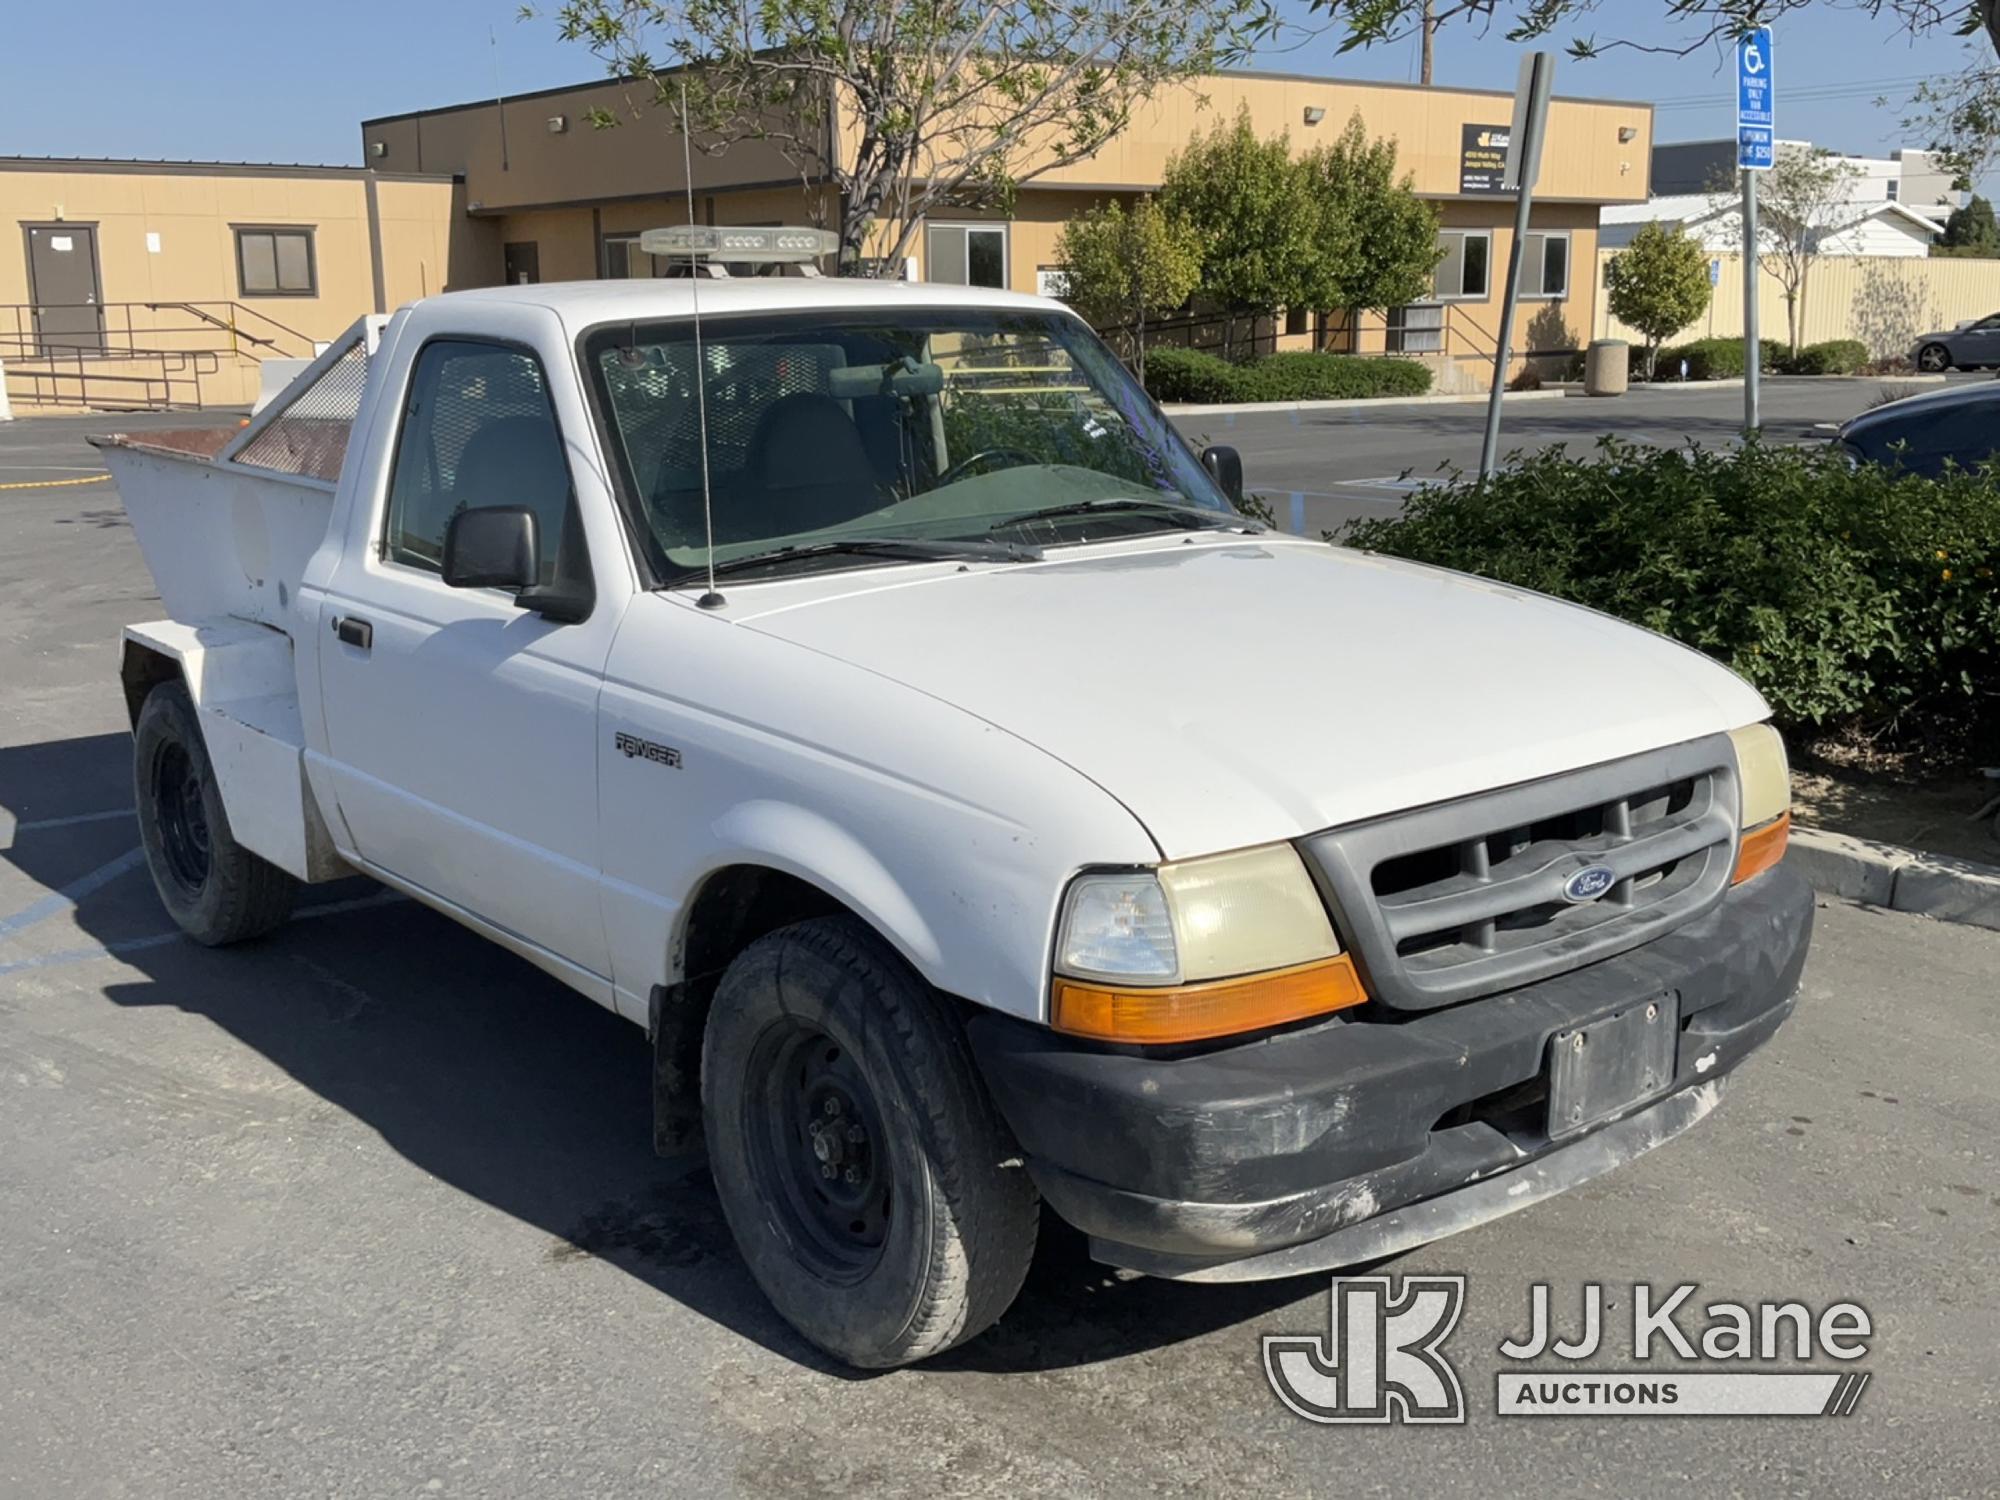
[[863, 689]]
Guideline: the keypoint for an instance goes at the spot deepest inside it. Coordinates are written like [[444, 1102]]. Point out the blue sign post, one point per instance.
[[1756, 150], [1755, 116]]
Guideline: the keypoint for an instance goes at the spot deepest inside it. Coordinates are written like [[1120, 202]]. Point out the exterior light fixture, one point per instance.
[[1314, 114], [558, 124], [1627, 133]]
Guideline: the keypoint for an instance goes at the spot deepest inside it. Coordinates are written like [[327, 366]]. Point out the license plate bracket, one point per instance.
[[1604, 1066]]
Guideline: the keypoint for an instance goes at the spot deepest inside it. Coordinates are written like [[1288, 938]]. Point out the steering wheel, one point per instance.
[[957, 471]]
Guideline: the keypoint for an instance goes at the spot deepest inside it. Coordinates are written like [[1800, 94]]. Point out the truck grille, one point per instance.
[[1468, 898]]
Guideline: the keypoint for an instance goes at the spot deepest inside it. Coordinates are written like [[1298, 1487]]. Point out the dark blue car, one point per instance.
[[1921, 434]]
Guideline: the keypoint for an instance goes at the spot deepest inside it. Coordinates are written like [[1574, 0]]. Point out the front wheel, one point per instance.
[[870, 1183], [1934, 359], [216, 890]]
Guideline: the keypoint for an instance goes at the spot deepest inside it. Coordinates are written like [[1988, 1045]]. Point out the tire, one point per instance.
[[1934, 359], [921, 1236], [216, 891]]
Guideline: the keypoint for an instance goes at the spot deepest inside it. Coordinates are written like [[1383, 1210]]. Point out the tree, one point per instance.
[[1659, 285], [1379, 238], [906, 106], [1962, 113], [1802, 198], [1970, 231], [1258, 221], [1121, 266]]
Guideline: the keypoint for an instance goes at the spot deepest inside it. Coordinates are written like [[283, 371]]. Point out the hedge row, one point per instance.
[[1853, 597], [1835, 357], [1188, 375], [1722, 359]]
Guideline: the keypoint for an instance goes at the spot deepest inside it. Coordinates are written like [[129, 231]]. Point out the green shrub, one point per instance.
[[1187, 375], [1835, 357], [1711, 359], [1852, 597]]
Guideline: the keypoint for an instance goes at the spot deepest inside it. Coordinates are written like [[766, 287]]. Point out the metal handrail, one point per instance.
[[47, 380], [119, 329], [102, 366]]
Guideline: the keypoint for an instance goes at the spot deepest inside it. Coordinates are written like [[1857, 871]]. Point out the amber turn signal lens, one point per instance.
[[1762, 848], [1196, 1012]]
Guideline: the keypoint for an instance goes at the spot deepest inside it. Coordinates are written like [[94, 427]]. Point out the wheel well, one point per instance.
[[734, 907], [141, 669]]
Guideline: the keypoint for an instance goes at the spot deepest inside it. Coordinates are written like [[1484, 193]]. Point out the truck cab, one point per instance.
[[863, 689]]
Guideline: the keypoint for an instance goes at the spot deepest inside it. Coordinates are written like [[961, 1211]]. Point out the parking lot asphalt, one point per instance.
[[368, 1207], [1330, 466]]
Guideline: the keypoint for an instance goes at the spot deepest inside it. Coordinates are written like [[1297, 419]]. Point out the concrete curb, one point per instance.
[[1898, 879], [1735, 382], [1184, 409]]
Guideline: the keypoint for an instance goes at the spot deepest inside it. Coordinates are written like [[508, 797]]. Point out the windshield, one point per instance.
[[934, 425]]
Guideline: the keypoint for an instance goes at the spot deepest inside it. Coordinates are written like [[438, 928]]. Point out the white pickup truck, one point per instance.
[[865, 691]]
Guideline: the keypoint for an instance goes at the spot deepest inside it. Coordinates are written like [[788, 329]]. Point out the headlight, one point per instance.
[[1198, 948], [1765, 776]]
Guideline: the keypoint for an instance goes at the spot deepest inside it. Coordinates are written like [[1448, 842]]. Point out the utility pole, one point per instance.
[[1524, 166], [1430, 26]]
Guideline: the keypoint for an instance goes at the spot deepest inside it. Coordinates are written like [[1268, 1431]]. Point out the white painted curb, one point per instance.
[[1898, 879], [1182, 409]]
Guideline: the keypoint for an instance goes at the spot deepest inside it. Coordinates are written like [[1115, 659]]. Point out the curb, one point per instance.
[[1897, 879], [1233, 408], [1735, 382]]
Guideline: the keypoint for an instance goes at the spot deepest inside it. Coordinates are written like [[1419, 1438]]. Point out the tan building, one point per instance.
[[567, 201], [127, 283]]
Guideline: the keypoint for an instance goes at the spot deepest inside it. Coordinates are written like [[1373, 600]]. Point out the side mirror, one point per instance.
[[494, 547], [1225, 466]]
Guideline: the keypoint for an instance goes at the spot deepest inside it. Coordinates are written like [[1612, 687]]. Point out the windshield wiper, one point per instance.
[[897, 548], [1186, 517]]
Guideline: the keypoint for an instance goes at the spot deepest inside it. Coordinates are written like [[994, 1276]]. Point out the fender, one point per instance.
[[246, 697], [807, 844]]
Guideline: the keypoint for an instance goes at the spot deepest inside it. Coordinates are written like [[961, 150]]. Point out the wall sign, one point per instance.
[[1482, 158]]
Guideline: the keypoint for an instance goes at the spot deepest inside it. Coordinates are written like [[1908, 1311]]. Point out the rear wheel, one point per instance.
[[1934, 358], [215, 890], [870, 1183]]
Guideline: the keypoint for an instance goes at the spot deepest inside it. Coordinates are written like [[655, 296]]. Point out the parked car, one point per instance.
[[868, 693], [1921, 434], [1972, 345]]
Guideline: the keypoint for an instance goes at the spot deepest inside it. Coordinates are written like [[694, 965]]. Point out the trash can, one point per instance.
[[1606, 367]]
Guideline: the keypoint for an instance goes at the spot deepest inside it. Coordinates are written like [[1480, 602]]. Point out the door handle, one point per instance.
[[354, 632]]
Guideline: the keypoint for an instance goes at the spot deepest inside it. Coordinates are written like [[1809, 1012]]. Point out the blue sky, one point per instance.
[[229, 80]]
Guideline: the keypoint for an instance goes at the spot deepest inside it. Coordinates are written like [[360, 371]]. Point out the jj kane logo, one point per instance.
[[1379, 1361], [1382, 1359]]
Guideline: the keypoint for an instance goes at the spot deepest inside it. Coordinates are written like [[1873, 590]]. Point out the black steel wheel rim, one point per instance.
[[817, 1150], [183, 814]]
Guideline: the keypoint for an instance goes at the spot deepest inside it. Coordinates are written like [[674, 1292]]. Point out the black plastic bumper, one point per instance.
[[1180, 1166]]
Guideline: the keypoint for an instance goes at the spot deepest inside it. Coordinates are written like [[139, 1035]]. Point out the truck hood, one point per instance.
[[1233, 691]]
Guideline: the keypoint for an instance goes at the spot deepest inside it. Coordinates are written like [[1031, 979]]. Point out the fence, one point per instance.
[[1884, 301]]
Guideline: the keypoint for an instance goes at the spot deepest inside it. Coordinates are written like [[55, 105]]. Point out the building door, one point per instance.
[[523, 262], [63, 285]]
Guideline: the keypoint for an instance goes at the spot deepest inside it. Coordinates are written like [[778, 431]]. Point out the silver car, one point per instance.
[[1973, 345]]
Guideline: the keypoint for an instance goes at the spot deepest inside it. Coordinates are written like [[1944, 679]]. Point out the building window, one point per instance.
[[967, 254], [1893, 186], [1462, 272], [275, 262], [1545, 266]]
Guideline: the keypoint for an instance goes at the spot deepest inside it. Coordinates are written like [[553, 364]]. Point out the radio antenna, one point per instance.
[[712, 599]]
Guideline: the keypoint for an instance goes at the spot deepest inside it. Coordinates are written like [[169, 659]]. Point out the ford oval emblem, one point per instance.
[[1589, 884]]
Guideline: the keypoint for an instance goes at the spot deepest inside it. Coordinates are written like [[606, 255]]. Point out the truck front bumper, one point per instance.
[[1358, 1138]]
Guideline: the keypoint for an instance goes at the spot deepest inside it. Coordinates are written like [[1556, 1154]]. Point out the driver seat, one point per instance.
[[810, 466]]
